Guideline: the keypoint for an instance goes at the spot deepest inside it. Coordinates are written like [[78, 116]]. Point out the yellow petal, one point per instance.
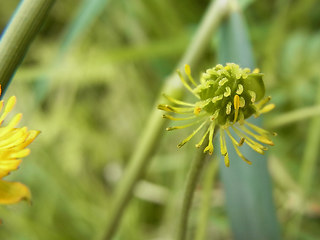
[[9, 106], [32, 134], [15, 120], [13, 192]]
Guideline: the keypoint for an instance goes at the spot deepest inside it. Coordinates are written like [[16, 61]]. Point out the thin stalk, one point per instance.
[[155, 125], [206, 199], [293, 116], [22, 29], [192, 180]]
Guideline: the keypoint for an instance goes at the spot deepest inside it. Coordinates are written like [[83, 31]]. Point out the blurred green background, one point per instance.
[[90, 80]]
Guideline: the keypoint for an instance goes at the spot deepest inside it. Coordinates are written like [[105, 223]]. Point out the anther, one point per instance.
[[240, 143], [240, 89], [217, 98], [228, 108], [236, 103], [187, 69], [253, 95], [197, 110], [223, 81], [242, 102], [215, 115], [227, 93]]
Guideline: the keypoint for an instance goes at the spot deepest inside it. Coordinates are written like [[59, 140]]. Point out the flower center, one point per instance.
[[229, 93]]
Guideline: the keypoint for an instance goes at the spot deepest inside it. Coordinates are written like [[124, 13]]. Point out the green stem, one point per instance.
[[206, 199], [192, 180], [293, 116], [22, 29], [151, 136]]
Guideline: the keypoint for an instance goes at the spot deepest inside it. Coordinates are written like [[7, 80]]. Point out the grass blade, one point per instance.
[[248, 188]]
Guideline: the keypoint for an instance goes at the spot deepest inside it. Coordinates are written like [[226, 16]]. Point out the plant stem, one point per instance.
[[192, 180], [293, 116], [23, 27], [151, 136], [206, 199]]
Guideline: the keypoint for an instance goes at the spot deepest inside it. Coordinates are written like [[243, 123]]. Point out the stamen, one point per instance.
[[203, 138], [236, 103], [210, 144], [231, 137], [242, 102], [217, 98], [254, 145], [256, 70], [240, 154], [191, 135], [240, 89], [187, 86], [183, 126], [228, 108], [197, 110], [253, 95], [245, 73], [178, 119], [267, 108], [235, 145], [187, 70], [204, 103], [262, 139], [219, 66], [223, 148], [260, 130], [206, 76], [178, 102], [227, 93], [223, 81], [241, 142], [168, 108], [215, 115], [263, 102]]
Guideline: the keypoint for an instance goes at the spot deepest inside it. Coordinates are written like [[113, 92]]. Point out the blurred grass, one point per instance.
[[100, 98]]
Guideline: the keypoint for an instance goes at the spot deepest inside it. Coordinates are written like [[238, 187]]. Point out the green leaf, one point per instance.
[[248, 188]]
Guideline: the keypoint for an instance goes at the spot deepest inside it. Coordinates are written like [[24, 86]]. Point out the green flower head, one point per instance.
[[226, 96]]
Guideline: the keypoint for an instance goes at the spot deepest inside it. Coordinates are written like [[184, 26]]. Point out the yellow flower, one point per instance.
[[13, 143], [226, 96]]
